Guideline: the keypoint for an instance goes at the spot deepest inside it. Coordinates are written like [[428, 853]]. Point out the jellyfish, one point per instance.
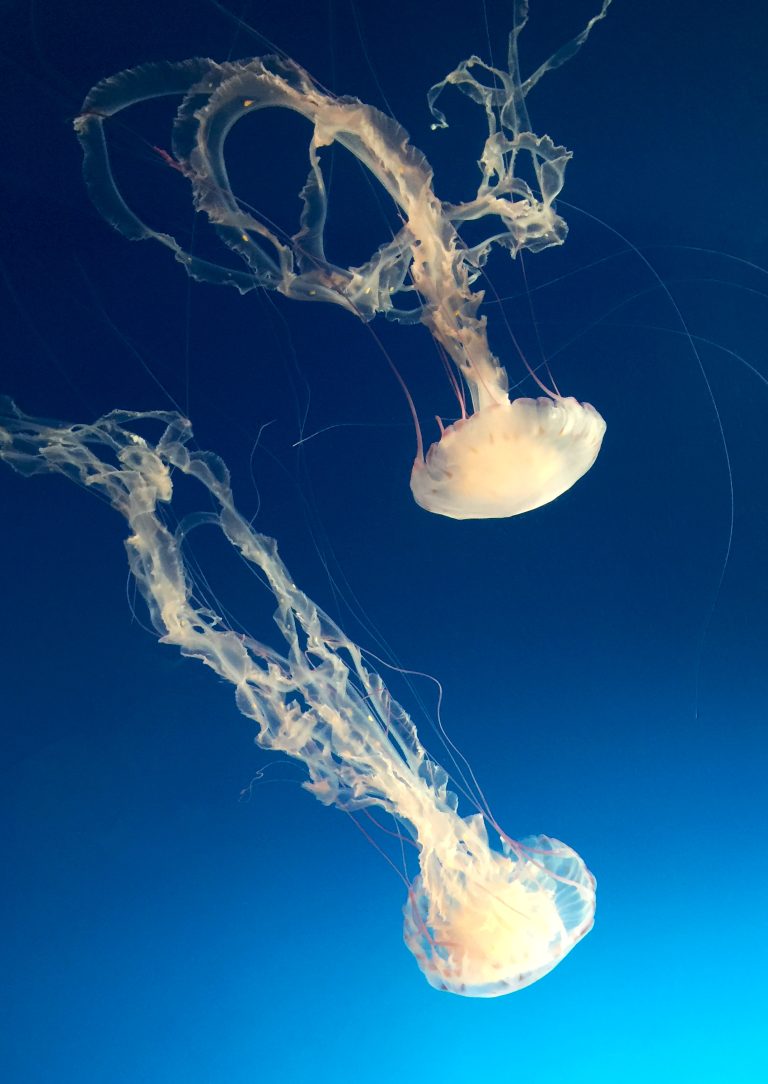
[[501, 456], [486, 914]]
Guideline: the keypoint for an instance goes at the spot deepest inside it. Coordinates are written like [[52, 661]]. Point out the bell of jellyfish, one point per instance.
[[481, 918], [501, 456]]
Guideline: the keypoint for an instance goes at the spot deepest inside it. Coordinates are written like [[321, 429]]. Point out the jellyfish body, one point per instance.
[[507, 458], [481, 920], [494, 923], [427, 256]]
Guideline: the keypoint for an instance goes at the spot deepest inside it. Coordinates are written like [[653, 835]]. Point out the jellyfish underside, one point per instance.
[[480, 920], [427, 256]]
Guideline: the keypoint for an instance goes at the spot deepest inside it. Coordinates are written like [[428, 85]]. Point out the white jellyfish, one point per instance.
[[501, 457], [481, 920]]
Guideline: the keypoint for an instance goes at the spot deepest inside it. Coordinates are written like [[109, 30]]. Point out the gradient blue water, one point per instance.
[[159, 928]]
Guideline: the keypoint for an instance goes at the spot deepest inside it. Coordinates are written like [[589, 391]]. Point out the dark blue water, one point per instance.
[[602, 667]]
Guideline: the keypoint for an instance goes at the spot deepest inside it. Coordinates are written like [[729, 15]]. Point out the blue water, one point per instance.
[[175, 906]]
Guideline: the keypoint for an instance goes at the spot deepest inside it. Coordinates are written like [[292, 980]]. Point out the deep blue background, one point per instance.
[[158, 928]]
